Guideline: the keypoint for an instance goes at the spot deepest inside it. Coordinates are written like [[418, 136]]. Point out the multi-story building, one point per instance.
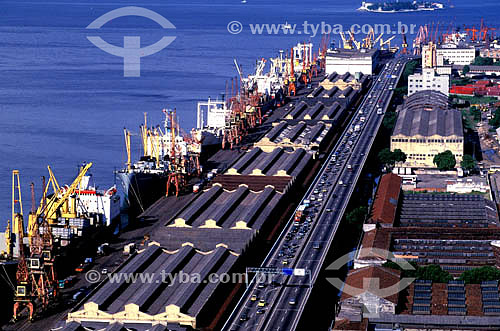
[[458, 55], [429, 58], [427, 126], [428, 80], [494, 53]]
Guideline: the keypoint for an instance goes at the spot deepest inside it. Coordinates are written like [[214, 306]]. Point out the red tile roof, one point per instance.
[[346, 325], [374, 239], [386, 201], [386, 278]]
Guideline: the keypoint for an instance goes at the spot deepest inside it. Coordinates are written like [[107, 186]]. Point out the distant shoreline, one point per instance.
[[364, 7], [397, 11]]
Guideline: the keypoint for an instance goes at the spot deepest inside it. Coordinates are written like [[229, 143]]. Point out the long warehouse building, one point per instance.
[[166, 298]]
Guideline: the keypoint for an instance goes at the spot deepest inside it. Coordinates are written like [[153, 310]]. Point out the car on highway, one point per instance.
[[261, 303], [316, 246], [243, 317], [292, 301], [261, 311], [253, 297]]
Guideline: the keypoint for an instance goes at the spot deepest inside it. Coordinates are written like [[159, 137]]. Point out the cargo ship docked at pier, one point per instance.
[[172, 157]]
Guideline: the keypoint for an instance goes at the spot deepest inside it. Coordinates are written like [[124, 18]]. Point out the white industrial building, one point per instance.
[[428, 80], [458, 55], [343, 61]]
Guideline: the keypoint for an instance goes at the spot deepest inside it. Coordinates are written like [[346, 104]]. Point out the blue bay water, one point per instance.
[[64, 101]]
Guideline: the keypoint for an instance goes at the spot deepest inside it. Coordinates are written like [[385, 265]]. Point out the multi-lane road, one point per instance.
[[278, 305]]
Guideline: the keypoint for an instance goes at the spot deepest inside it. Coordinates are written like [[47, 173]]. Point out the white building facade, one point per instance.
[[428, 80], [343, 61], [462, 56]]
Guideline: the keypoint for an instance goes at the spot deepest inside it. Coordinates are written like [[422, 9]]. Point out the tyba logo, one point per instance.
[[131, 52]]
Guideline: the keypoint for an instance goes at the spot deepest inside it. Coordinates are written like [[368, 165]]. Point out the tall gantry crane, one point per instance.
[[176, 175], [35, 275], [36, 272], [292, 89], [404, 45]]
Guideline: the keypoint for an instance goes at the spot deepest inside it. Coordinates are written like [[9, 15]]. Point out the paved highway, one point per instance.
[[277, 304]]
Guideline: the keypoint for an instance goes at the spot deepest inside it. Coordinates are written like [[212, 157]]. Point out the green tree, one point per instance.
[[445, 160], [483, 61], [390, 120], [476, 113], [478, 275], [410, 70], [356, 217], [466, 70], [468, 162], [385, 157], [399, 156], [495, 121], [434, 273], [431, 272]]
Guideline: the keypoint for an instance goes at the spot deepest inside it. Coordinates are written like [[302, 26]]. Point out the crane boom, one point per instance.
[[56, 202], [238, 69]]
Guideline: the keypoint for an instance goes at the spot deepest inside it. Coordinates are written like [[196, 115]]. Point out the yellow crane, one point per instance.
[[368, 40], [377, 39], [354, 41], [347, 43], [59, 204], [144, 135], [386, 42], [127, 146], [14, 235]]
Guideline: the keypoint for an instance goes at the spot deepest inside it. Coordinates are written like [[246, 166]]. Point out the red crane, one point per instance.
[[483, 31], [472, 33], [404, 45], [175, 174], [36, 275], [292, 89]]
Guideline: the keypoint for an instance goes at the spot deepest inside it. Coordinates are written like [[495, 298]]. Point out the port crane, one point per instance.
[[346, 42], [292, 89], [404, 45], [420, 39], [323, 48], [472, 33], [305, 77], [484, 30], [15, 232], [353, 41], [386, 42], [36, 280], [60, 204], [176, 174]]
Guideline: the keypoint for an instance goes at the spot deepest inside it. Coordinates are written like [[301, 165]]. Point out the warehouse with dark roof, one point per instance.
[[310, 137], [165, 297], [425, 127]]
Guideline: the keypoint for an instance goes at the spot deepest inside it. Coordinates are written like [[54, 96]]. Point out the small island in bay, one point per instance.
[[400, 6]]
